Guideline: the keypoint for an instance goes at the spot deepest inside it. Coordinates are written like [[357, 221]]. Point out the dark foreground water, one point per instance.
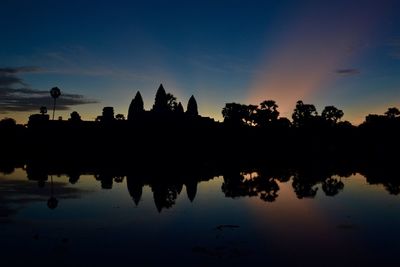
[[215, 222]]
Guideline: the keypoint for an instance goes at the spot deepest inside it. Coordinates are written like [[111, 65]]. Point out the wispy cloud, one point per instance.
[[8, 70], [25, 99], [8, 75], [15, 94], [75, 60], [8, 80], [347, 72]]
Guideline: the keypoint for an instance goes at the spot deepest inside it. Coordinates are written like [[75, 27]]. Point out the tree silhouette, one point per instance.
[[74, 116], [392, 113], [55, 93], [136, 106], [283, 123], [120, 117], [52, 202], [267, 188], [238, 114], [373, 119], [43, 110], [332, 186], [161, 100], [171, 102], [192, 107], [304, 183], [233, 113], [393, 187], [73, 177], [304, 188], [267, 113], [7, 123], [345, 124], [250, 113], [235, 185], [332, 114], [304, 114]]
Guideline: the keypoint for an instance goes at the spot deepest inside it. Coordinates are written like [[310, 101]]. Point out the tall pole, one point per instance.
[[52, 202], [55, 93], [51, 185], [54, 107]]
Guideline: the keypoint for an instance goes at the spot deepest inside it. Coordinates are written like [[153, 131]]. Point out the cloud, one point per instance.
[[347, 72], [26, 99], [8, 80], [8, 77], [5, 71]]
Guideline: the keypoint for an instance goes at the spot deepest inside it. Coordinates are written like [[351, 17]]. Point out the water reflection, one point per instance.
[[243, 216], [17, 193], [167, 184]]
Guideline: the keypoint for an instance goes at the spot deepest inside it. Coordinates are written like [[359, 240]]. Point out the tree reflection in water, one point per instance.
[[166, 186]]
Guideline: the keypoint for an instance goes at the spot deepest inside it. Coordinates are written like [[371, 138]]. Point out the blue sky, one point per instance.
[[342, 53]]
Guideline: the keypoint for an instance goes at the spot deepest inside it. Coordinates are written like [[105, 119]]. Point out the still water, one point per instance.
[[208, 222]]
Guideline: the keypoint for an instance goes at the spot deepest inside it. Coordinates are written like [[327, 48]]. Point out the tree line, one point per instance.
[[304, 115], [264, 115]]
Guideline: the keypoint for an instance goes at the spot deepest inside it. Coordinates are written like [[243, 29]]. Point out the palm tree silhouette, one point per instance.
[[52, 202], [55, 92], [43, 110]]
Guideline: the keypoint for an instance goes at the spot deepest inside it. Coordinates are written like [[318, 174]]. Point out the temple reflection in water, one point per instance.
[[225, 215], [167, 184]]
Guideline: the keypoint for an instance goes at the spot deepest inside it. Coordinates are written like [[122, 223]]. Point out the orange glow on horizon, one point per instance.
[[304, 61]]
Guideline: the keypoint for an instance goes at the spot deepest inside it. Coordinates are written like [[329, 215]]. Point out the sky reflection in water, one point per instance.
[[92, 226]]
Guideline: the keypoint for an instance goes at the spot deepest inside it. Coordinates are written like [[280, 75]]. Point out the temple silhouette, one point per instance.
[[168, 135]]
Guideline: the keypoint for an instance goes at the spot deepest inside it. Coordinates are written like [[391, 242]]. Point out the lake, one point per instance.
[[231, 219]]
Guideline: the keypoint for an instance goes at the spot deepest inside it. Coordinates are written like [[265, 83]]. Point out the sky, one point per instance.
[[100, 53]]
